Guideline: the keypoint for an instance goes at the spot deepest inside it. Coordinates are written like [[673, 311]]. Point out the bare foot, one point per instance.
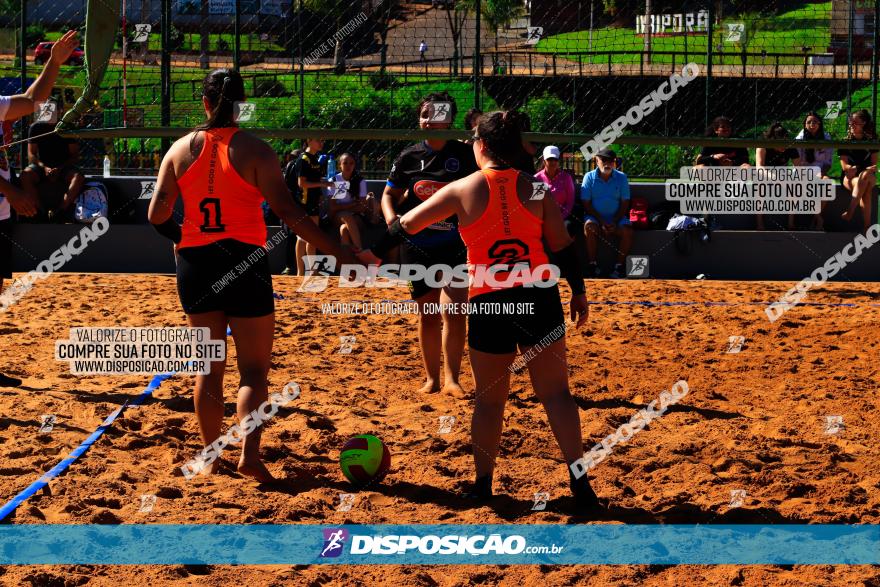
[[430, 386], [454, 389], [212, 468], [255, 469]]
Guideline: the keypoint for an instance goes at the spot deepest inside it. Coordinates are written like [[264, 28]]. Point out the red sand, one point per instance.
[[752, 421]]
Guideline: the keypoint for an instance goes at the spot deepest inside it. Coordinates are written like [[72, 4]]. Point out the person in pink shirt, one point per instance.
[[561, 185]]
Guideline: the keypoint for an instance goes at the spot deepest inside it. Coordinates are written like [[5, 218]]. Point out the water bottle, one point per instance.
[[106, 166], [331, 168]]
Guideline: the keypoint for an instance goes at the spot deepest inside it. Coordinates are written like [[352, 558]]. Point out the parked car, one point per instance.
[[44, 49]]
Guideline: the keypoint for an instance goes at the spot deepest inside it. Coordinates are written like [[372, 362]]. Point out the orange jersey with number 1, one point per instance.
[[217, 203]]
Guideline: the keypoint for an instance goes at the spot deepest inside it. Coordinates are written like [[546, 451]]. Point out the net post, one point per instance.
[[236, 33], [166, 70], [874, 62], [849, 56], [478, 70], [710, 31], [22, 24]]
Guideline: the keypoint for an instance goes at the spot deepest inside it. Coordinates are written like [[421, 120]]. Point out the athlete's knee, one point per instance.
[[254, 375], [489, 400], [429, 317]]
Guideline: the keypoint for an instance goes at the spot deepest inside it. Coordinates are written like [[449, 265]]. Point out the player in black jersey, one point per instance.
[[418, 173]]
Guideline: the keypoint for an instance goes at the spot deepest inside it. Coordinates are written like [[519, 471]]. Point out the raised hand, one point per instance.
[[63, 47]]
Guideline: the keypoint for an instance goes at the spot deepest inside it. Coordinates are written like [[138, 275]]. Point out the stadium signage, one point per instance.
[[673, 24]]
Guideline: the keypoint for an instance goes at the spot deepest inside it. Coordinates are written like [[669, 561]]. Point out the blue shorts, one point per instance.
[[592, 219]]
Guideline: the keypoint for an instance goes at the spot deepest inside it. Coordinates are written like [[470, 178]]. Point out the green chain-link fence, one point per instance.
[[574, 67]]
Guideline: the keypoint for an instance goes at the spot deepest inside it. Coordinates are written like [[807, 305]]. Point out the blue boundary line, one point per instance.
[[52, 473]]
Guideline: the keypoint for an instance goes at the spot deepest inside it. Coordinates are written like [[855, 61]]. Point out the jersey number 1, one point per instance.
[[208, 226]]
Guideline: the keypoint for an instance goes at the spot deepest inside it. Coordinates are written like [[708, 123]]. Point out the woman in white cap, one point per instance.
[[562, 187]]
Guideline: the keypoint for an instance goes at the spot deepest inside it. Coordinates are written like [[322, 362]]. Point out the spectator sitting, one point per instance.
[[776, 157], [52, 178], [722, 128], [814, 130], [605, 195], [561, 185], [352, 209], [859, 166]]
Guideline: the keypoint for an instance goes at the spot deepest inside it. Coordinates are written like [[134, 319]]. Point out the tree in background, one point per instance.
[[383, 13], [500, 13], [456, 17]]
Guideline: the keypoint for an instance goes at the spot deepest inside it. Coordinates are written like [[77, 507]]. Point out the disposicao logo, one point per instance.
[[334, 541]]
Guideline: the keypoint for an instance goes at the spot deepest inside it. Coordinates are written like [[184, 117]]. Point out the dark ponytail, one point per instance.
[[223, 88], [501, 133]]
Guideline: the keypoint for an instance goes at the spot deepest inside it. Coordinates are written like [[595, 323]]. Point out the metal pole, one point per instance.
[[236, 32], [124, 67], [649, 28], [849, 60], [591, 31], [710, 31], [874, 63], [165, 70], [22, 61], [478, 71], [302, 71]]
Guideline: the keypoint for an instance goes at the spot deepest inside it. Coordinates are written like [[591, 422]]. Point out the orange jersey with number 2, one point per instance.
[[217, 203], [506, 235]]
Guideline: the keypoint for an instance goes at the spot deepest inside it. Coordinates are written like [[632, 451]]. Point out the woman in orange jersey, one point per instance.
[[223, 278], [504, 222]]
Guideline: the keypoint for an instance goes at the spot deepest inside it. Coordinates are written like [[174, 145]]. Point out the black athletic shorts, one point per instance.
[[312, 202], [227, 276], [452, 253], [6, 248], [500, 333]]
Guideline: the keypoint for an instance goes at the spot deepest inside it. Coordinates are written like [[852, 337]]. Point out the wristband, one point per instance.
[[392, 238], [169, 229], [571, 270]]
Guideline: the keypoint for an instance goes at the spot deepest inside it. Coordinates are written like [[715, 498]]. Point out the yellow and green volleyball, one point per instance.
[[364, 459]]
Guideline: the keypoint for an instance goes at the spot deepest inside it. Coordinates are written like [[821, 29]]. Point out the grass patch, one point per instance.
[[789, 32]]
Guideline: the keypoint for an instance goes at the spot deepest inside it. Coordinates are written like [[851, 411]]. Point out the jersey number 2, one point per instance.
[[208, 225]]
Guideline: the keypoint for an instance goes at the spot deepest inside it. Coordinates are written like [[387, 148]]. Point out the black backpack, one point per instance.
[[291, 174]]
